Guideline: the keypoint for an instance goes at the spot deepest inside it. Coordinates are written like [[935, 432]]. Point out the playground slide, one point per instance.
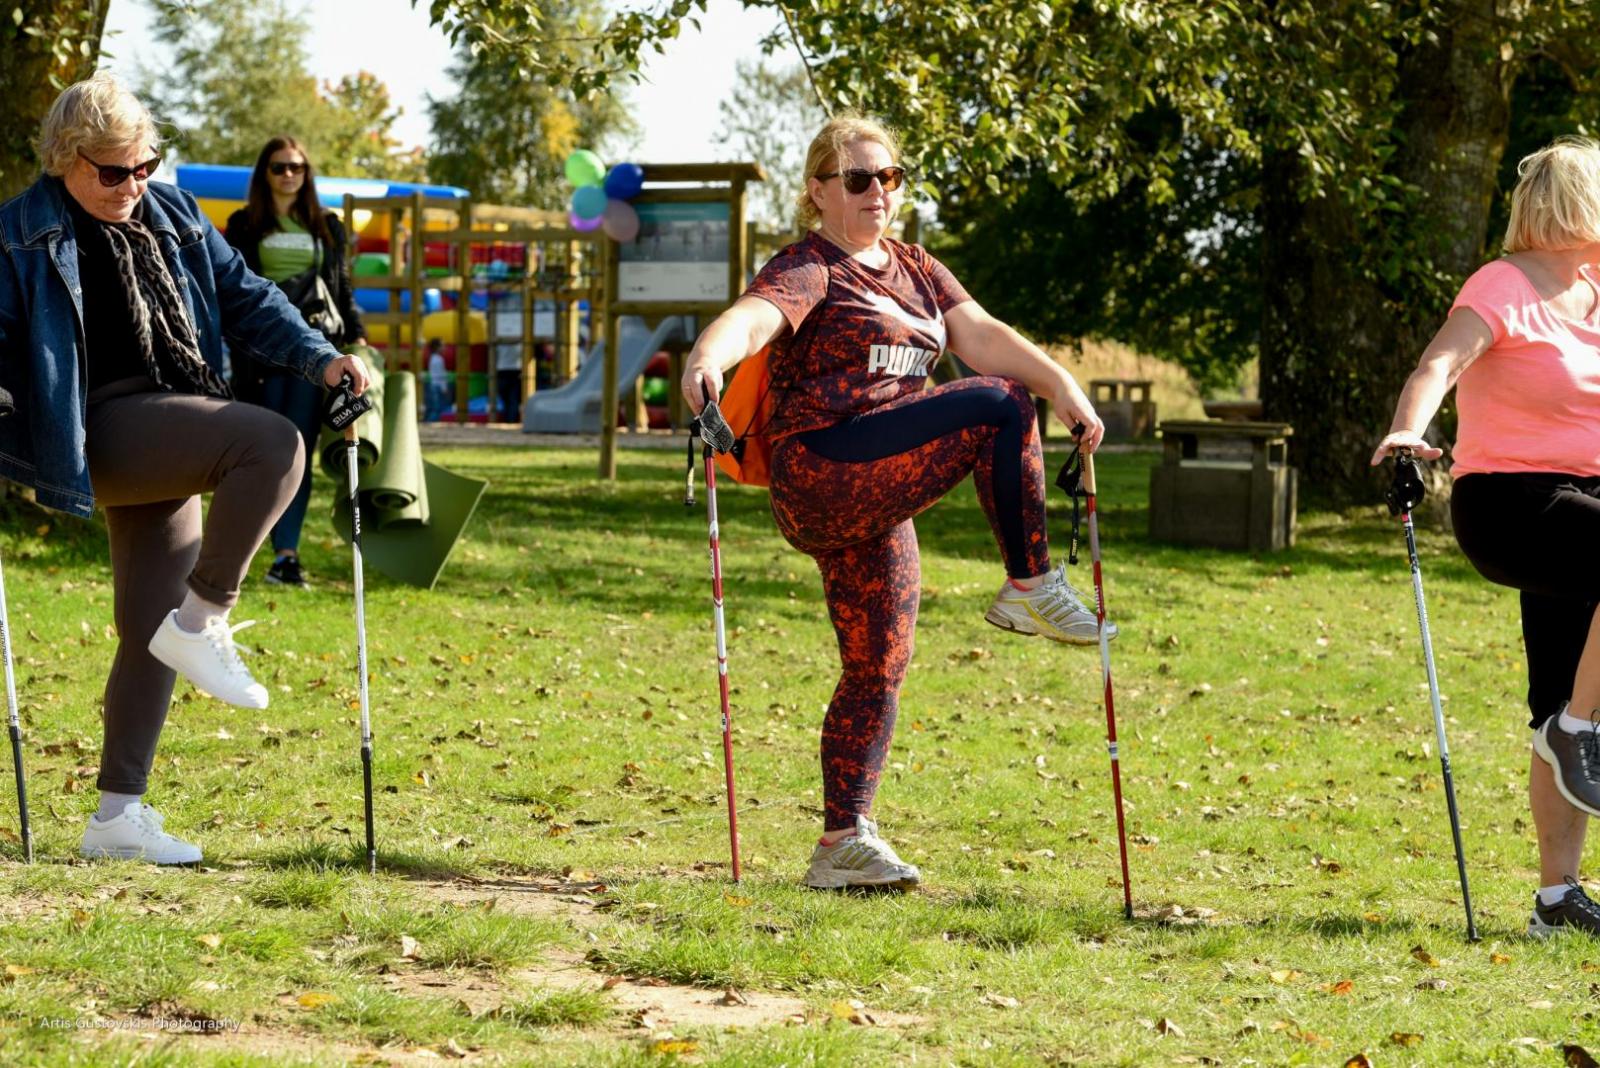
[[574, 408]]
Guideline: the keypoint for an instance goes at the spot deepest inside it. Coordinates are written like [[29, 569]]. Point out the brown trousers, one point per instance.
[[151, 454]]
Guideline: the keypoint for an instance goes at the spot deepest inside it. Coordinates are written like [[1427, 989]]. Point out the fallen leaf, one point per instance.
[[1284, 975], [1541, 1004], [1001, 1001], [1339, 989], [1360, 1060], [210, 941], [16, 971], [409, 947], [315, 999], [674, 1046], [1372, 917], [1499, 958], [736, 901], [1577, 1057], [1433, 984], [1423, 956], [1406, 1039], [1167, 1027], [732, 997]]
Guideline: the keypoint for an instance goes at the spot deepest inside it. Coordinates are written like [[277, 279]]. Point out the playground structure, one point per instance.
[[583, 319], [481, 278]]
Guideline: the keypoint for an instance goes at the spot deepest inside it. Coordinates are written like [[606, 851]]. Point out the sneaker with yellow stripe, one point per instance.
[[1053, 609], [861, 858]]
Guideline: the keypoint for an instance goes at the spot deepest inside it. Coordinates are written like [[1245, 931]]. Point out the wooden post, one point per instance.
[[464, 314], [414, 275], [608, 378]]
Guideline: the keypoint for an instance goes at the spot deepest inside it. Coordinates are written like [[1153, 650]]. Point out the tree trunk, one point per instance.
[[1336, 343], [34, 68]]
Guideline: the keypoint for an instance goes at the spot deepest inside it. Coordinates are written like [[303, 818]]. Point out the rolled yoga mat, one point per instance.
[[412, 511]]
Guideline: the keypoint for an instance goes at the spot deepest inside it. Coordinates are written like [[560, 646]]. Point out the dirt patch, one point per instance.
[[283, 1047], [643, 1002]]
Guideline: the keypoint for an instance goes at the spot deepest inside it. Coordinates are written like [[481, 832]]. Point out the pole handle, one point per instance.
[[1088, 473]]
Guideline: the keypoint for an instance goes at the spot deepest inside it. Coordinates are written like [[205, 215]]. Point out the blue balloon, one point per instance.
[[624, 181], [589, 202]]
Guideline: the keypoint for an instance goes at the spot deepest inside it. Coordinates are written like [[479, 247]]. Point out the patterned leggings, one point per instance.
[[846, 496]]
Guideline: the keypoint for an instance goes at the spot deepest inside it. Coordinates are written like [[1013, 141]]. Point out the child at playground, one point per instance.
[[287, 238], [856, 321]]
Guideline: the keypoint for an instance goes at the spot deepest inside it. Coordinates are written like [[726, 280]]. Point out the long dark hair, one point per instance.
[[306, 210]]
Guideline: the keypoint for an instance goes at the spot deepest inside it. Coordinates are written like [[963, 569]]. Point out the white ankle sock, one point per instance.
[[1573, 724], [195, 610], [111, 805], [1549, 895]]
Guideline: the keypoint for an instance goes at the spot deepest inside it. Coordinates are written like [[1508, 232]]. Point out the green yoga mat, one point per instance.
[[412, 511]]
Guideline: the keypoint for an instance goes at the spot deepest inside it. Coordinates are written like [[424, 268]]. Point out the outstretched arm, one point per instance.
[[991, 347], [1462, 339], [743, 330]]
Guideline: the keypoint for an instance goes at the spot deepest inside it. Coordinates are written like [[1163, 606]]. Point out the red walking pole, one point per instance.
[[716, 436], [1077, 480]]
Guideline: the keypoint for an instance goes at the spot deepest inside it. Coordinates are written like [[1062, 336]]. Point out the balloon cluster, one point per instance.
[[601, 197]]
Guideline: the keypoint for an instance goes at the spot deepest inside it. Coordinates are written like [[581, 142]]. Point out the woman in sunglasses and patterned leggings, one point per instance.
[[855, 321], [287, 238], [115, 297]]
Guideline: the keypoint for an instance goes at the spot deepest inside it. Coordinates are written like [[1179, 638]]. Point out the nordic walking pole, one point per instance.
[[1404, 495], [342, 414], [716, 436], [1105, 671], [15, 723]]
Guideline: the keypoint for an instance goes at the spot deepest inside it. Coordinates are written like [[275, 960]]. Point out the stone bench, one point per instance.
[[1124, 405], [1226, 485]]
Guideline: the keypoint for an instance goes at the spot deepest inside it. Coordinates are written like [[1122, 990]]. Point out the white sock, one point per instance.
[[111, 805], [1572, 724], [195, 610], [1549, 895]]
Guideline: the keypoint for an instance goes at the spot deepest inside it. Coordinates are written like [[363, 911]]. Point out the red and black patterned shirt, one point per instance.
[[858, 336]]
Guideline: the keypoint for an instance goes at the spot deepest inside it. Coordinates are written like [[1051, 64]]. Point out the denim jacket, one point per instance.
[[42, 361]]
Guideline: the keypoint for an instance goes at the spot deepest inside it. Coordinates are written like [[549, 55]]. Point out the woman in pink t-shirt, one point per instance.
[[1522, 348], [855, 321]]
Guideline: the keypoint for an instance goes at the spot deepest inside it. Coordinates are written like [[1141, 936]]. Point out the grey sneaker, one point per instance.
[[1573, 912], [1052, 608], [860, 859], [1575, 760]]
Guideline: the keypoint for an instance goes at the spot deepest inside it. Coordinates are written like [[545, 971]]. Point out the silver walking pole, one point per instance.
[[16, 725], [1404, 495], [6, 408], [341, 415]]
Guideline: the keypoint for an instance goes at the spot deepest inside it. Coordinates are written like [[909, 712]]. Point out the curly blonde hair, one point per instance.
[[94, 116], [828, 148], [1556, 204]]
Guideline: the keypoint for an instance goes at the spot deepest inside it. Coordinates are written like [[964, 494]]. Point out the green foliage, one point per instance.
[[507, 131], [770, 119], [45, 45], [240, 74]]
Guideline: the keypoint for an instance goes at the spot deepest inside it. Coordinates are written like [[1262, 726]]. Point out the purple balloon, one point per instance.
[[582, 225], [624, 181], [621, 221]]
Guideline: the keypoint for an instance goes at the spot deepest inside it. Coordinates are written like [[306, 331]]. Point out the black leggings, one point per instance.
[[1539, 534]]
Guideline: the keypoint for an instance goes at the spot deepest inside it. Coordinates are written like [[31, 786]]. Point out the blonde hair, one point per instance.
[[1556, 204], [94, 116], [828, 148]]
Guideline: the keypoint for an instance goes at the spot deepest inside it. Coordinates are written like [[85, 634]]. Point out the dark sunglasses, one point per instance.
[[858, 181], [112, 176], [280, 169]]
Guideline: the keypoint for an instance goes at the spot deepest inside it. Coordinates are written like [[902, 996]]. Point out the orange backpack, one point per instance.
[[747, 406]]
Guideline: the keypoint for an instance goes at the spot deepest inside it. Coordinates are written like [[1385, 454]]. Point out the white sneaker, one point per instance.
[[860, 859], [209, 659], [1052, 608], [136, 835]]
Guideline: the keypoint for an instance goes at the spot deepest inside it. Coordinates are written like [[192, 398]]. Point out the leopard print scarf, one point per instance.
[[160, 316]]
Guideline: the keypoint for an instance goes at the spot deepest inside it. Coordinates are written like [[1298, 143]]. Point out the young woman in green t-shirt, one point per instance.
[[287, 237]]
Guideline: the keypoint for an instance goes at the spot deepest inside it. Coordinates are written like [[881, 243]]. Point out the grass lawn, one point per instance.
[[553, 842]]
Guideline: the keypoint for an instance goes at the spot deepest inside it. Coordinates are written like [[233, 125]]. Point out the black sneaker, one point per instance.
[[1575, 911], [1575, 760], [286, 571]]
